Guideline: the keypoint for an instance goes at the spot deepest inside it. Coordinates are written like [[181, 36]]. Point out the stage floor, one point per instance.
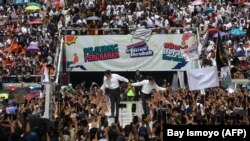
[[125, 114]]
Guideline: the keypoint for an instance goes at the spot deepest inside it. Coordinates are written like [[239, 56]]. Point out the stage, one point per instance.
[[125, 114]]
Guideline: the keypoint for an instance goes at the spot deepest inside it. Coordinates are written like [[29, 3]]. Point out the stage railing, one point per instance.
[[122, 31]]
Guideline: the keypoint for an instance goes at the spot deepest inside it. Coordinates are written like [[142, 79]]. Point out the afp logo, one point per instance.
[[234, 133]]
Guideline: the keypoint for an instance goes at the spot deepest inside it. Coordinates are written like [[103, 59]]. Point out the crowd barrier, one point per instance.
[[121, 31]]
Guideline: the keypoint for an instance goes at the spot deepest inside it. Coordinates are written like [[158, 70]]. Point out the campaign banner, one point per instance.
[[226, 79], [162, 52]]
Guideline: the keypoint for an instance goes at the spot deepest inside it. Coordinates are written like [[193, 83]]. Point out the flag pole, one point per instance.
[[202, 91]]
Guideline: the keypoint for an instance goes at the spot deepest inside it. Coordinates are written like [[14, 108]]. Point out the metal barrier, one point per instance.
[[121, 31]]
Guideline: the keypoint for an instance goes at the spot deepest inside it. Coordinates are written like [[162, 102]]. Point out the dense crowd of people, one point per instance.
[[27, 39], [80, 114], [83, 116]]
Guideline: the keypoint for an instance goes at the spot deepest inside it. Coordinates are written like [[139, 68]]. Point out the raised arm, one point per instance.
[[158, 88], [103, 87], [140, 83], [121, 78]]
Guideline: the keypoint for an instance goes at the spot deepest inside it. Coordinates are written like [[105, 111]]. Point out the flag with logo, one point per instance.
[[226, 78], [202, 78], [142, 34], [221, 57]]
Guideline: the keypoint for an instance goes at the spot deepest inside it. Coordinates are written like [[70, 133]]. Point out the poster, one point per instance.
[[226, 78], [162, 52]]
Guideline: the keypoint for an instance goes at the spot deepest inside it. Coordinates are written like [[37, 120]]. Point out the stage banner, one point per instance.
[[162, 52]]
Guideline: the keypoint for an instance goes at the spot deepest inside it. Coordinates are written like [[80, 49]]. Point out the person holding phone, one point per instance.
[[148, 86]]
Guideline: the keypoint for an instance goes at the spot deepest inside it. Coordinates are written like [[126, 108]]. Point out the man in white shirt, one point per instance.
[[111, 87], [147, 87]]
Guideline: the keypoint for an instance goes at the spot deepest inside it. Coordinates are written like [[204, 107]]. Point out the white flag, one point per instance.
[[142, 34], [45, 75], [202, 78]]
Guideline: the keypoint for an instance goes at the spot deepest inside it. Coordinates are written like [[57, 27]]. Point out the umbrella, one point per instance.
[[208, 10], [12, 109], [19, 2], [32, 8], [4, 95], [32, 95], [33, 48], [212, 31], [11, 88], [34, 4], [237, 32], [35, 22], [92, 18], [197, 2], [58, 4], [35, 87], [221, 34]]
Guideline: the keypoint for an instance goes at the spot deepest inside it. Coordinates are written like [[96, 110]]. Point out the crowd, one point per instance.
[[27, 40], [80, 114], [21, 29]]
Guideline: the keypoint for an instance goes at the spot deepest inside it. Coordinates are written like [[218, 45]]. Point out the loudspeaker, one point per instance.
[[133, 109]]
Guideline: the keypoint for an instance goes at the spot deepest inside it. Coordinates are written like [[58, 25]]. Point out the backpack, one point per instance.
[[143, 132]]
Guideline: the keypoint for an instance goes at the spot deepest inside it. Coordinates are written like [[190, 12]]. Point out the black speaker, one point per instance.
[[133, 109]]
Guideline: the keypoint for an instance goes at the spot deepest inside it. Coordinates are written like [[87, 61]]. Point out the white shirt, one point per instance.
[[147, 87], [113, 81]]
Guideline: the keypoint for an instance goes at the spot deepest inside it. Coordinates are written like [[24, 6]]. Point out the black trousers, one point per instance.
[[145, 98], [137, 92], [114, 96]]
